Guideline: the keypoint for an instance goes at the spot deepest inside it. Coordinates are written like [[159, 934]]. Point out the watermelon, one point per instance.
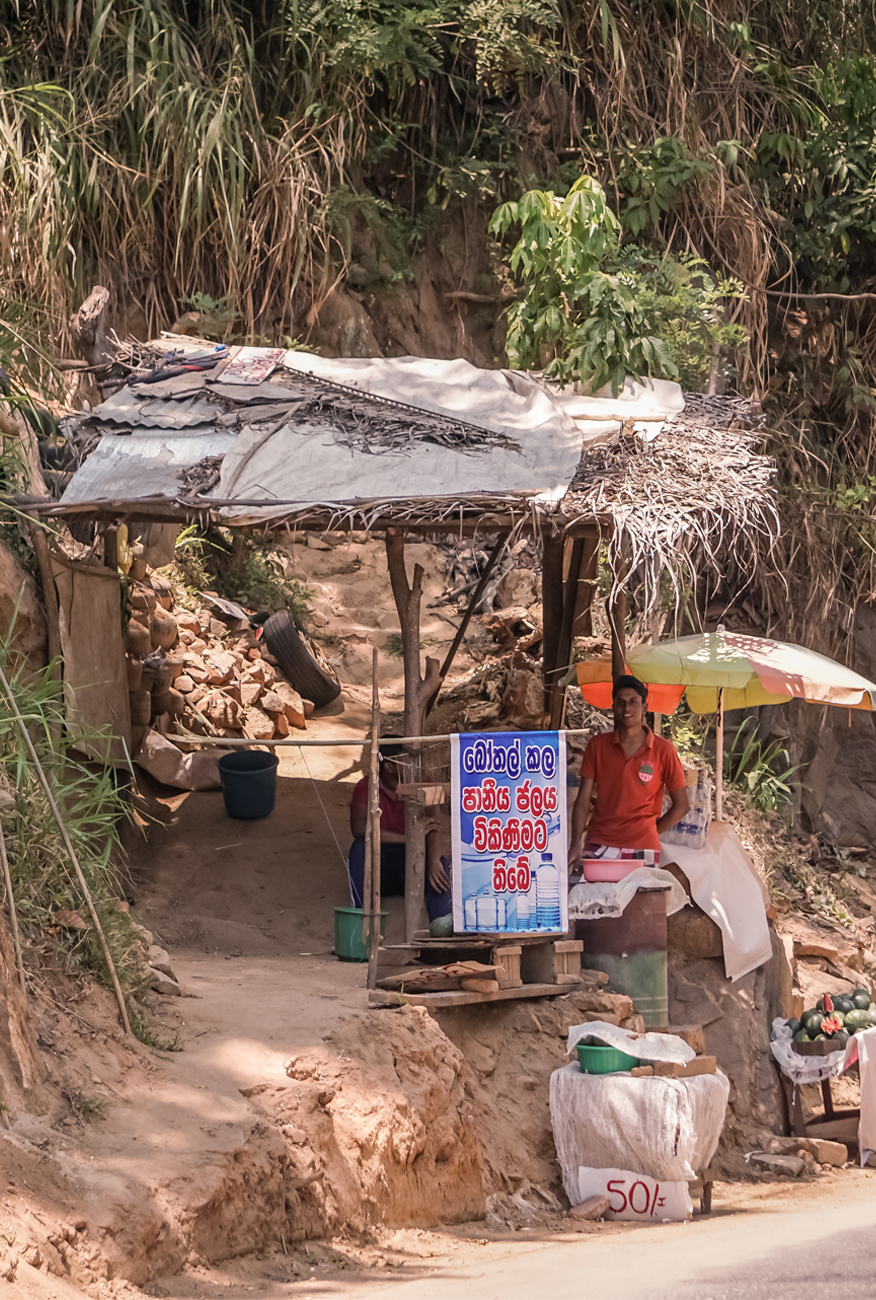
[[872, 1014], [841, 1039], [857, 1020], [812, 1022], [794, 1025], [820, 1038], [861, 999], [801, 1036], [824, 1003], [843, 1004]]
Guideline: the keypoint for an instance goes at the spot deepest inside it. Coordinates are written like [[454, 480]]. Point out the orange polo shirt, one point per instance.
[[629, 791]]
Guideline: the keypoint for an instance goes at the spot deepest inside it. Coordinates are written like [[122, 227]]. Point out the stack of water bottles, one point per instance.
[[536, 909]]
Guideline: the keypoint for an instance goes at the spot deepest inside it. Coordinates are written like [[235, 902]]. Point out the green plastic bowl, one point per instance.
[[604, 1060]]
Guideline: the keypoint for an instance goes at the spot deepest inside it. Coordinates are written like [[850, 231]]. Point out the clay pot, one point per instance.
[[138, 639], [135, 673], [141, 708], [164, 629]]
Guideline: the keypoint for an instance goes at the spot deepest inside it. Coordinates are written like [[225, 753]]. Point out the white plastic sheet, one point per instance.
[[598, 900], [665, 1128], [725, 884], [646, 1047]]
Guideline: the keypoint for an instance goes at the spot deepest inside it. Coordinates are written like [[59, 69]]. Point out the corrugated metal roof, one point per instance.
[[142, 465]]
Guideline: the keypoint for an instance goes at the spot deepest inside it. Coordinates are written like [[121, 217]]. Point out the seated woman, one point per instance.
[[392, 841]]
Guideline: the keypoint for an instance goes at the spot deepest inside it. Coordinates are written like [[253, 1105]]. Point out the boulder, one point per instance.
[[257, 724], [249, 691], [162, 983], [792, 1166], [220, 666]]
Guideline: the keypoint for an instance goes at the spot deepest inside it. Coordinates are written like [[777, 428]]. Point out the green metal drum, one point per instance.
[[631, 949]]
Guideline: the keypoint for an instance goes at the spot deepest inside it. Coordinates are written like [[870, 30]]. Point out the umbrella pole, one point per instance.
[[719, 759]]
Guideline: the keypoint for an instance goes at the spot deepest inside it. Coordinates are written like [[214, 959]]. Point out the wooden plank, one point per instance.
[[838, 1130], [425, 976], [438, 1001]]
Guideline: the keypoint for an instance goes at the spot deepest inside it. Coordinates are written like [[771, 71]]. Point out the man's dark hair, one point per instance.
[[627, 682], [392, 750]]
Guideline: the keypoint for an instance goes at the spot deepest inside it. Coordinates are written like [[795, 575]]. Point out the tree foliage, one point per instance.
[[595, 311]]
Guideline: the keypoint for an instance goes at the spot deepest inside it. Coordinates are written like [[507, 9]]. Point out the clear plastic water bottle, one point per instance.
[[469, 910], [487, 911], [524, 921], [501, 913], [547, 894]]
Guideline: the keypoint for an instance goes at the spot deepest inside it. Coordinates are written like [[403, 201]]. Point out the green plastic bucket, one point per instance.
[[604, 1060], [349, 945]]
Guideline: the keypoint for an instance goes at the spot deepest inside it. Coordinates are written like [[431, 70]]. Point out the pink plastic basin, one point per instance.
[[601, 869]]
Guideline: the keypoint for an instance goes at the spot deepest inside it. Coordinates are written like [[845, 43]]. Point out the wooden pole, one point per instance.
[[83, 884], [616, 609], [564, 644], [719, 759], [466, 619], [553, 545], [588, 575], [418, 691], [16, 941], [373, 895], [50, 594]]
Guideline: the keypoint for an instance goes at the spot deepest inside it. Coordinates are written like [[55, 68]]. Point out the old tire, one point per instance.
[[300, 660]]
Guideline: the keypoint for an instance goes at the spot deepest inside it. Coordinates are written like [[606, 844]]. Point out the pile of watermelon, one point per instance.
[[835, 1018]]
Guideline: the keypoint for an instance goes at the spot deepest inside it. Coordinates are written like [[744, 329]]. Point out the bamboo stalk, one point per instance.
[[70, 850], [16, 941], [373, 939]]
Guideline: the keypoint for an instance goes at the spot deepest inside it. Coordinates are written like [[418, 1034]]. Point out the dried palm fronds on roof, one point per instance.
[[698, 496]]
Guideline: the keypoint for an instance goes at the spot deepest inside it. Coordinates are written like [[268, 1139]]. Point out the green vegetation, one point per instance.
[[43, 880], [240, 569], [596, 311], [751, 766]]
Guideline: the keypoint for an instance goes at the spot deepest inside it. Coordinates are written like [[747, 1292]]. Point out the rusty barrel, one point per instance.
[[631, 949]]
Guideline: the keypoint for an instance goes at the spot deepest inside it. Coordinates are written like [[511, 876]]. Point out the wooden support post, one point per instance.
[[371, 889], [587, 576], [552, 607], [466, 619], [50, 594], [418, 691], [564, 645]]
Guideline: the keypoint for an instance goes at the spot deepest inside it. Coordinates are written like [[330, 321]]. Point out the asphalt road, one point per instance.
[[824, 1251]]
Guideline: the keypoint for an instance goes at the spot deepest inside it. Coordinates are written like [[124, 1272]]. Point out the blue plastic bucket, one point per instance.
[[249, 783]]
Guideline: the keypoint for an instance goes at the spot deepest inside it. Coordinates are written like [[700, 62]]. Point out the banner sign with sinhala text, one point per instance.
[[510, 839]]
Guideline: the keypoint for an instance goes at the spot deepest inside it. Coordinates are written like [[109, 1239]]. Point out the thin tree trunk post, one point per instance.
[[553, 545], [418, 690], [466, 619], [564, 646], [13, 915], [719, 759], [587, 579], [372, 895], [616, 609]]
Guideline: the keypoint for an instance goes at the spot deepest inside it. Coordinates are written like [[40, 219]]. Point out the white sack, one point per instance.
[[161, 759], [636, 1198], [725, 884], [666, 1128]]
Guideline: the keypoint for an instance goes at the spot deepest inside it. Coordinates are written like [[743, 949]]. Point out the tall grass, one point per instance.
[[43, 880]]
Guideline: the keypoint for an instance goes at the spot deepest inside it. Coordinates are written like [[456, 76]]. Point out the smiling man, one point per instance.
[[629, 768]]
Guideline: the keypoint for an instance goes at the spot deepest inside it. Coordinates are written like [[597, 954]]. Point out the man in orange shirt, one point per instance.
[[629, 768]]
